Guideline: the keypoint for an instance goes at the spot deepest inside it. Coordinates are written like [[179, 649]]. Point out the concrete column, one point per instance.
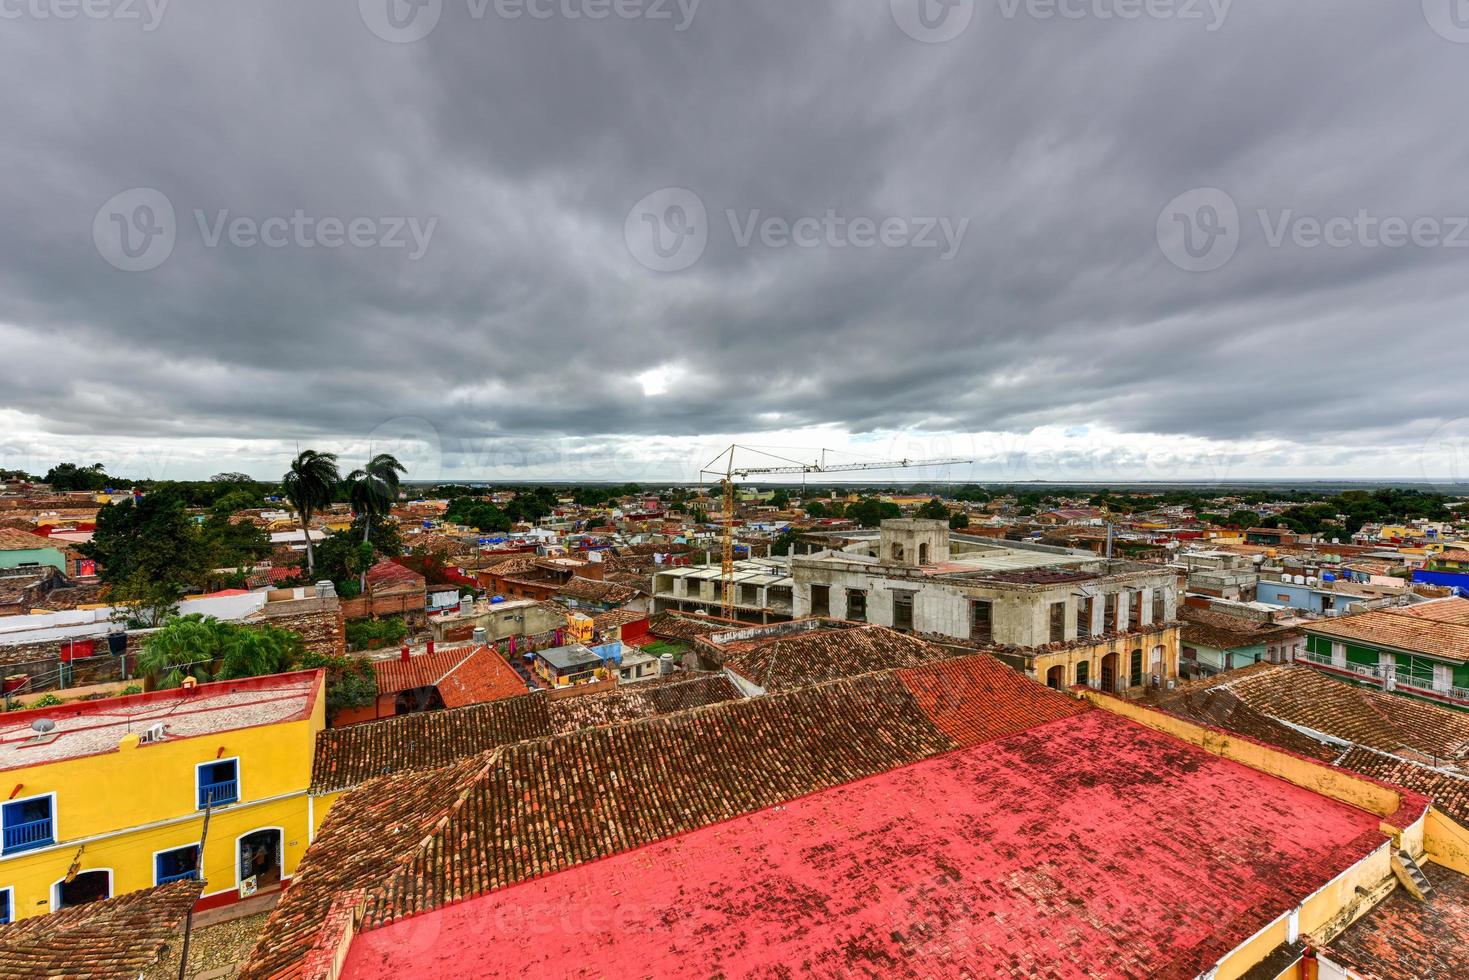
[[1146, 597]]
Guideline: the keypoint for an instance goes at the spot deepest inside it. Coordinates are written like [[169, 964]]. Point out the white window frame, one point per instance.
[[180, 847], [239, 781], [55, 823], [235, 856], [56, 886]]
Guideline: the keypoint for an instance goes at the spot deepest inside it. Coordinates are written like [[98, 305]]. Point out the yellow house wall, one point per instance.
[[1244, 957], [1122, 646], [1446, 841], [118, 807], [320, 805]]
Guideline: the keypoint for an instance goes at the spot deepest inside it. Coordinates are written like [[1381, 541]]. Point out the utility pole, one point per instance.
[[189, 919]]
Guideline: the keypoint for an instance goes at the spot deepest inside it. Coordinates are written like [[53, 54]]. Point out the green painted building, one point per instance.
[[19, 549], [1419, 651]]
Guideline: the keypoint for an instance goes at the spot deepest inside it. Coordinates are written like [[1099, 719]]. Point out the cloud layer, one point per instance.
[[813, 144]]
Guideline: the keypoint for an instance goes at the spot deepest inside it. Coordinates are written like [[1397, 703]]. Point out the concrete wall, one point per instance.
[[1020, 614]]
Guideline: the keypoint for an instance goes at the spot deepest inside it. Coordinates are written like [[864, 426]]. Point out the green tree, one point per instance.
[[933, 510], [1243, 519], [309, 485], [958, 520], [70, 476], [208, 649], [780, 500], [151, 553], [871, 512], [372, 491]]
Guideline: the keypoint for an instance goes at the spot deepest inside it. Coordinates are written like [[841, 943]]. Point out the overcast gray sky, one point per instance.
[[534, 238]]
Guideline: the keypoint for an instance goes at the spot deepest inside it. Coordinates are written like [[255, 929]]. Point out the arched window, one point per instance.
[[897, 551], [923, 553]]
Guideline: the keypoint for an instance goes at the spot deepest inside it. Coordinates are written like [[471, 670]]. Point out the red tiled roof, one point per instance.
[[785, 661], [976, 699], [1304, 696], [387, 575], [23, 541], [1438, 629], [912, 872], [482, 676], [116, 939], [1405, 939], [422, 670]]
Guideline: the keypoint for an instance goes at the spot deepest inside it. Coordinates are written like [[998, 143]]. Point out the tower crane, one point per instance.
[[729, 472]]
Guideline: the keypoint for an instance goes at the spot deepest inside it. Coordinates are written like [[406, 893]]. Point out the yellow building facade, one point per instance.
[[107, 797]]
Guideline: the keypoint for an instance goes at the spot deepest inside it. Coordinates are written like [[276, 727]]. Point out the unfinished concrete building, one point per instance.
[[1061, 616], [763, 590]]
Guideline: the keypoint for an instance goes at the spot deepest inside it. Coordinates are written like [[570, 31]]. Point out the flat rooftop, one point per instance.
[[1086, 846], [86, 728]]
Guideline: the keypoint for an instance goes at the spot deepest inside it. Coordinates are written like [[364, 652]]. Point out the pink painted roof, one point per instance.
[[1089, 846]]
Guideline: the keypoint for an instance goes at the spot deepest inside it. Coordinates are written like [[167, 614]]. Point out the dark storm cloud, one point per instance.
[[527, 141]]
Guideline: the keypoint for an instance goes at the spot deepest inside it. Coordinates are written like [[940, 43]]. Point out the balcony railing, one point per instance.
[[220, 793], [165, 879], [28, 835], [1379, 675]]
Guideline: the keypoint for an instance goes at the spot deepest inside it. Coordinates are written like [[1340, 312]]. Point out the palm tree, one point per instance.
[[374, 488], [372, 492], [308, 485]]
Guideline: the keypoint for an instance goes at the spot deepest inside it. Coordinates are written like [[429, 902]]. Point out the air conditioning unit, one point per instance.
[[153, 733]]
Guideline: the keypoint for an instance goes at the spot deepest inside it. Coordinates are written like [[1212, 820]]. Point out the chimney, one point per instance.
[[403, 654], [430, 648], [325, 589], [481, 636]]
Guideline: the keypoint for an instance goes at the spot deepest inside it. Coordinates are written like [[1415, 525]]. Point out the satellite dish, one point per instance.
[[42, 726]]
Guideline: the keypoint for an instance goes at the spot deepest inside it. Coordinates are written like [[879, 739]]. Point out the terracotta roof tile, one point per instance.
[[787, 661], [544, 805], [1405, 939], [1438, 629], [346, 757], [117, 938], [1449, 792], [1306, 697], [482, 676]]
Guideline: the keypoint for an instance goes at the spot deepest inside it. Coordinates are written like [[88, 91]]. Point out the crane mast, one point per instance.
[[729, 473]]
